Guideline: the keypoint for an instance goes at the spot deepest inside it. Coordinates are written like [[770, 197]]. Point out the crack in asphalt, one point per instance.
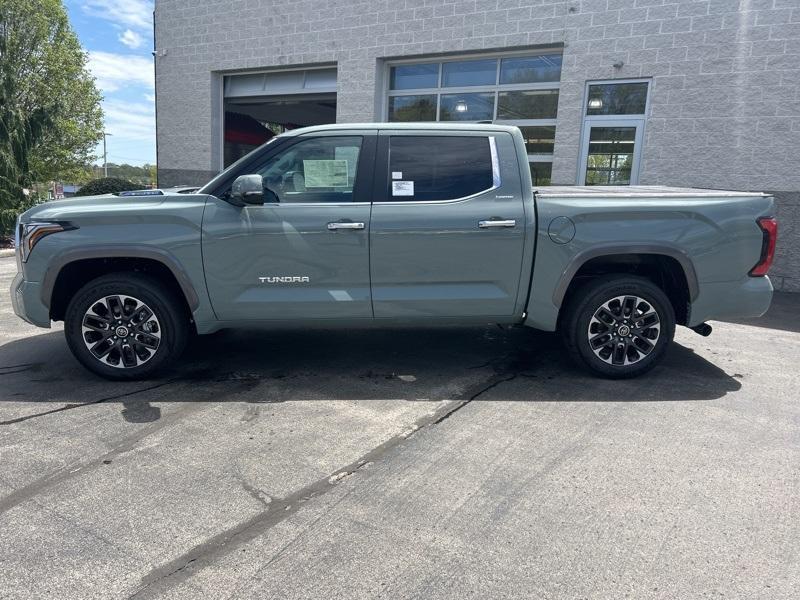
[[242, 384], [257, 494], [78, 469], [486, 387], [275, 510], [204, 375], [180, 569], [90, 403], [127, 444]]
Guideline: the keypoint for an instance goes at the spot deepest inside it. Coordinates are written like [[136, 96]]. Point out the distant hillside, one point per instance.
[[144, 175]]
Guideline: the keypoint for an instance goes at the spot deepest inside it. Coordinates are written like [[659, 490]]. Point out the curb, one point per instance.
[[5, 253]]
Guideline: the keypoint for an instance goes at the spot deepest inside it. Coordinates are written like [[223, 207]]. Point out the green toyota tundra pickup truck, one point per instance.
[[387, 224]]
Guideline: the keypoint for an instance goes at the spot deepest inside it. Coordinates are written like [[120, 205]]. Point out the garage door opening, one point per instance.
[[258, 106]]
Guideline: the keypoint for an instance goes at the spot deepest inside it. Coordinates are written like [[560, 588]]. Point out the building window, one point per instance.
[[413, 108], [541, 172], [609, 158], [617, 99], [613, 131], [517, 89]]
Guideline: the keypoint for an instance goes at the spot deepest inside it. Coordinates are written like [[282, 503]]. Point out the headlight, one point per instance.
[[29, 234]]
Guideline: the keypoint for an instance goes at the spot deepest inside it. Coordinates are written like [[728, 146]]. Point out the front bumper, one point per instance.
[[26, 299], [748, 297]]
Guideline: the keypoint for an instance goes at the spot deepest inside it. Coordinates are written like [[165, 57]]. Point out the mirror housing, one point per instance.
[[248, 189]]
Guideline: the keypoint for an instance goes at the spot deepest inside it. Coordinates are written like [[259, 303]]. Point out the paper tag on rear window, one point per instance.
[[397, 174], [402, 188]]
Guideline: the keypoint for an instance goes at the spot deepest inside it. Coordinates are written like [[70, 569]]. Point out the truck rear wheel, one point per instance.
[[619, 326], [125, 326]]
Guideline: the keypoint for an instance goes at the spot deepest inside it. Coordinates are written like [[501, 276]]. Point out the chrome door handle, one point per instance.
[[497, 223], [344, 225]]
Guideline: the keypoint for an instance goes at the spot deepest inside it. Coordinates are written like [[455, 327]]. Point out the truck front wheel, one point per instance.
[[125, 326], [619, 326]]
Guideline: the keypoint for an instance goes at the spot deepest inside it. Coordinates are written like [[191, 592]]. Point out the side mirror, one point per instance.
[[248, 189]]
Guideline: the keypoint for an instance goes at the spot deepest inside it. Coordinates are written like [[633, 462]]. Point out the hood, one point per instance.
[[100, 206]]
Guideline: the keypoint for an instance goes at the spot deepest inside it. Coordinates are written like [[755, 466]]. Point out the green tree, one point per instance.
[[106, 185], [142, 175], [50, 116]]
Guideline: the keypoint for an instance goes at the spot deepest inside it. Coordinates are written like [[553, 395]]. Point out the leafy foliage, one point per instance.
[[142, 176], [107, 185], [8, 218], [50, 116]]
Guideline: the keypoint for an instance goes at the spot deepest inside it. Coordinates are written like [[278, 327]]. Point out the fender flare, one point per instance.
[[119, 251], [661, 249]]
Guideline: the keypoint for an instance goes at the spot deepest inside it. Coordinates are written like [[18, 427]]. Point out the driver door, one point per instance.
[[304, 253]]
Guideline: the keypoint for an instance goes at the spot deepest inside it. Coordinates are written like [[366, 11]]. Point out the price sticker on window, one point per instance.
[[325, 173], [402, 188]]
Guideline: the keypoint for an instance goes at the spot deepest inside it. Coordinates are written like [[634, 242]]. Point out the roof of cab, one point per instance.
[[426, 125]]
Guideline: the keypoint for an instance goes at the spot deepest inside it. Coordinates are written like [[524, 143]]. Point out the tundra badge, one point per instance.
[[284, 279]]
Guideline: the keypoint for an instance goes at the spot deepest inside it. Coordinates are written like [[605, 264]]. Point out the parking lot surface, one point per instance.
[[449, 463]]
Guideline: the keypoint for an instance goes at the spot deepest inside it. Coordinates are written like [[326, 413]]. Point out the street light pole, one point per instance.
[[105, 155]]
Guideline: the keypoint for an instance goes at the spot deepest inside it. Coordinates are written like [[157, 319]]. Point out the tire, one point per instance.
[[151, 316], [620, 347]]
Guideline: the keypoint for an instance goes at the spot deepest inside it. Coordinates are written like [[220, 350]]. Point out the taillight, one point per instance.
[[769, 225]]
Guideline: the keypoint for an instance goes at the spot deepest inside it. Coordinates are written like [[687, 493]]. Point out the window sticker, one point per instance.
[[402, 188], [397, 174], [325, 173], [350, 154]]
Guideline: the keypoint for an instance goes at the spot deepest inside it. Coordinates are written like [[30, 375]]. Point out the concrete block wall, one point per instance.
[[725, 95], [785, 273]]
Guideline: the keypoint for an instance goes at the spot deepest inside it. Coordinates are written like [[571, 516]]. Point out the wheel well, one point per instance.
[[73, 276], [664, 271]]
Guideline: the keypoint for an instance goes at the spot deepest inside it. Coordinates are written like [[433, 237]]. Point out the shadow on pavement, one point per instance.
[[400, 364], [783, 314]]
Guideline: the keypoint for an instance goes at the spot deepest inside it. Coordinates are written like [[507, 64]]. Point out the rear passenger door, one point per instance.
[[448, 225]]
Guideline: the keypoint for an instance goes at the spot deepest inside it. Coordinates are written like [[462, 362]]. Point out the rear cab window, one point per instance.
[[425, 168]]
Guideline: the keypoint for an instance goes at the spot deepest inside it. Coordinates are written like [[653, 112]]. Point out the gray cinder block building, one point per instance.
[[701, 93]]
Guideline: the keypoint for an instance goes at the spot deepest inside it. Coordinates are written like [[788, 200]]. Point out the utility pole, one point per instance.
[[105, 155]]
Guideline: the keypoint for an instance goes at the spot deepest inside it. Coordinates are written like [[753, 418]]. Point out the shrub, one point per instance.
[[107, 185], [8, 217]]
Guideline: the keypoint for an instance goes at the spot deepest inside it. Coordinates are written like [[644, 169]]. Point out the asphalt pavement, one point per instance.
[[407, 463]]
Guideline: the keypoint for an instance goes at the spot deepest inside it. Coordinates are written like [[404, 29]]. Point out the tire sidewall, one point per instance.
[[597, 295], [145, 289]]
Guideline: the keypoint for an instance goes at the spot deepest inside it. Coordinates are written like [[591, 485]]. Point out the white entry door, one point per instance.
[[611, 151]]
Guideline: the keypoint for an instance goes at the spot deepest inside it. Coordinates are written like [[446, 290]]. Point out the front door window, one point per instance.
[[321, 169]]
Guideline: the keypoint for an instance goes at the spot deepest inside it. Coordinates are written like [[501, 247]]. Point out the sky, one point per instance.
[[118, 37]]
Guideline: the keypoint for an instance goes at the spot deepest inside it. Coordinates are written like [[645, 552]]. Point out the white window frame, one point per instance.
[[496, 88], [637, 120]]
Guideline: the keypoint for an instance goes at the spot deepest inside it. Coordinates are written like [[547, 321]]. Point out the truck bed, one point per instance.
[[712, 233], [635, 191]]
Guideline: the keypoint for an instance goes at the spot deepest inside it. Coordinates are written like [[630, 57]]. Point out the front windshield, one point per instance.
[[206, 189]]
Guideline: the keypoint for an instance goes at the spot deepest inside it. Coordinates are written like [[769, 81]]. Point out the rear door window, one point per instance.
[[426, 168]]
